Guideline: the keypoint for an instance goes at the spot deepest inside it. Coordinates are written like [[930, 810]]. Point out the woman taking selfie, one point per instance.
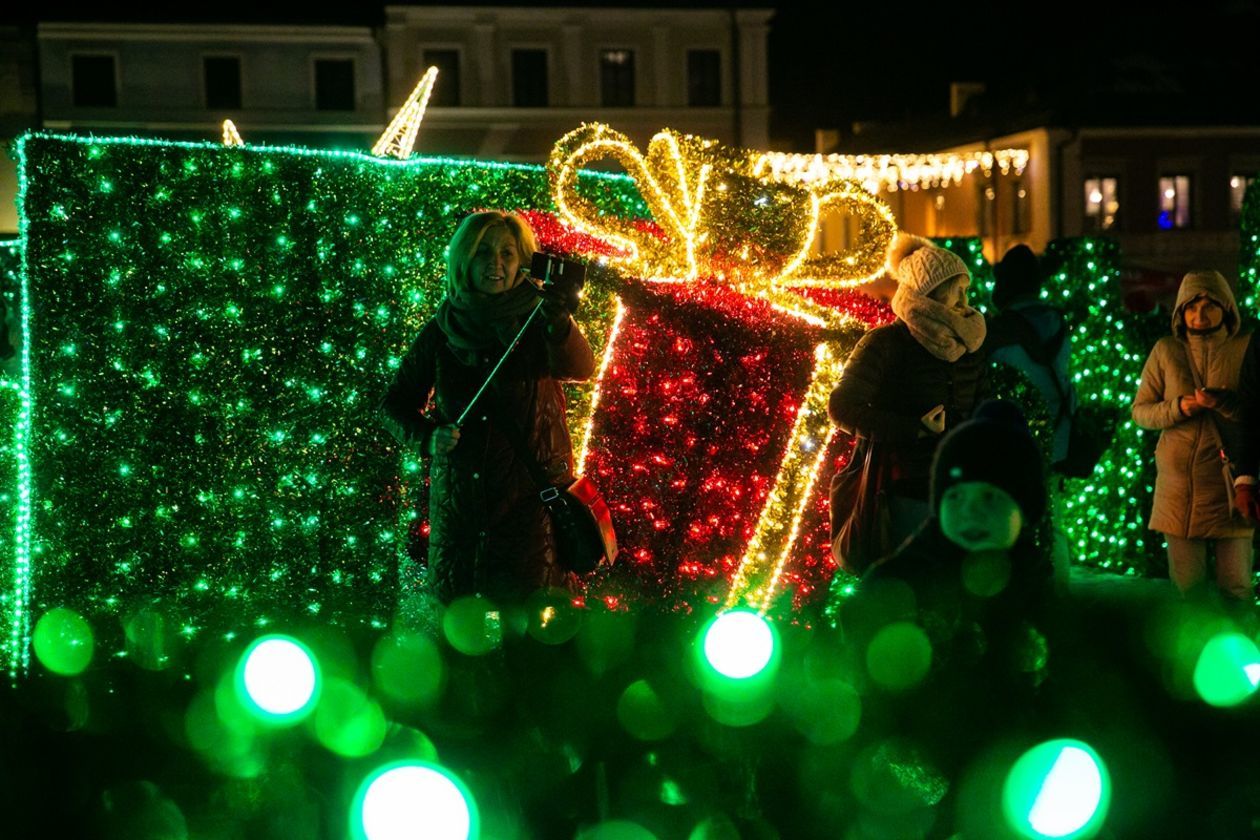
[[489, 532]]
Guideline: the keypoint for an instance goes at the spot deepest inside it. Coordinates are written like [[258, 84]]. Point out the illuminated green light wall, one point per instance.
[[1249, 259], [210, 330]]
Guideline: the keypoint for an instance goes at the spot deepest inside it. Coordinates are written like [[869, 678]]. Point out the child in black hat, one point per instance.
[[976, 558]]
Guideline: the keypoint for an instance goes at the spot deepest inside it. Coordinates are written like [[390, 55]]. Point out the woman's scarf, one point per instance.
[[475, 322], [945, 332]]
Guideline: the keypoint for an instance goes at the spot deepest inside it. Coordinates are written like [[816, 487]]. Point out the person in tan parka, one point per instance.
[[1192, 413]]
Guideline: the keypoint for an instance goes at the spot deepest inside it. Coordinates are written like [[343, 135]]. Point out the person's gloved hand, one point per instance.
[[1246, 501], [443, 439]]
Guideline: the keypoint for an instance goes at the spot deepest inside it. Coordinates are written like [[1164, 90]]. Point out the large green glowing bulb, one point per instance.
[[1228, 670], [408, 799], [1057, 789], [739, 644], [278, 679]]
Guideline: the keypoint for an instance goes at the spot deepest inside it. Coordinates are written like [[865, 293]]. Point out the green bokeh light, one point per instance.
[[408, 668], [278, 679], [1057, 789], [409, 799], [473, 625], [347, 721], [643, 714], [151, 639], [1228, 670], [553, 619], [739, 644], [63, 642], [899, 656]]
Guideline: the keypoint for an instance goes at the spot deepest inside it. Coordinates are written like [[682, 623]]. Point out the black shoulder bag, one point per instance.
[[579, 515]]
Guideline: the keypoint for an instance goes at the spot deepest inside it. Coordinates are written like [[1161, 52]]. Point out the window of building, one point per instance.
[[1102, 203], [222, 74], [529, 78], [616, 78], [1174, 202], [1238, 184], [334, 84], [93, 81], [446, 86], [704, 78], [1021, 208]]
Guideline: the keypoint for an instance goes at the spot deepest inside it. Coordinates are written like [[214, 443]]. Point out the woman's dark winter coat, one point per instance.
[[489, 533], [889, 382]]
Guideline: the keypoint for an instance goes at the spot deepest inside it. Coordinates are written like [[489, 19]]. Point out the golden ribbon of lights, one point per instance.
[[706, 198], [771, 545], [891, 172], [231, 137], [399, 137]]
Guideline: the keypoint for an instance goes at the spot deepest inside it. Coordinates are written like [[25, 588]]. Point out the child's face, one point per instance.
[[953, 292], [1203, 313], [977, 516]]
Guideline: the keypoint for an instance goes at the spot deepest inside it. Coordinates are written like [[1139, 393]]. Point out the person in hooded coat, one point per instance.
[[1188, 393], [904, 385], [489, 532]]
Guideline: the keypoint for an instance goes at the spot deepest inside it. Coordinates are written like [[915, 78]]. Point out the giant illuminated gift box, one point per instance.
[[207, 331]]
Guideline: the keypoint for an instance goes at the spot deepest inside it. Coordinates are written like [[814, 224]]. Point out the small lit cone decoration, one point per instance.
[[715, 221]]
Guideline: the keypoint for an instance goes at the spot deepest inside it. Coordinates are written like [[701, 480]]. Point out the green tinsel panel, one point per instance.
[[210, 331]]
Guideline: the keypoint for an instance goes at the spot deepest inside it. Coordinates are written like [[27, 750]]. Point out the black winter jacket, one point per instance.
[[489, 533], [889, 382]]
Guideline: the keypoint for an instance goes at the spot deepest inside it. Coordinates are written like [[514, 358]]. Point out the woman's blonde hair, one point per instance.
[[468, 236]]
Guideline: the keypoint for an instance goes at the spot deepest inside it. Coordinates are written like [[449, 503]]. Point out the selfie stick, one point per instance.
[[499, 364]]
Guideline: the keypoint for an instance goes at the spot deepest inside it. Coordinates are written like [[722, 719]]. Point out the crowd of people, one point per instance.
[[939, 474]]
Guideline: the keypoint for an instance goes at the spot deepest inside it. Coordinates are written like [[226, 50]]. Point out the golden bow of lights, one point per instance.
[[717, 216]]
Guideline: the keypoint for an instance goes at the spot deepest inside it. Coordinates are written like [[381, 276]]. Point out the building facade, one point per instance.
[[511, 81], [1171, 196], [286, 83]]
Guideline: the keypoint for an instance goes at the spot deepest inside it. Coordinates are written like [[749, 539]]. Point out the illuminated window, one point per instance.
[[1174, 202], [222, 76], [704, 78], [446, 88], [1238, 184], [1102, 203], [616, 78], [529, 78], [93, 81], [334, 84]]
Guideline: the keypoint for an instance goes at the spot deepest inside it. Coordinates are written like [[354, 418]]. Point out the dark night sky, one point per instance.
[[840, 62]]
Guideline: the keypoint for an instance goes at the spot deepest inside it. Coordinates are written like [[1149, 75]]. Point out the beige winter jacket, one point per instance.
[[1192, 499]]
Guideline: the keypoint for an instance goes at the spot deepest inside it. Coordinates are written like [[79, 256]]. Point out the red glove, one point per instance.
[[1246, 501]]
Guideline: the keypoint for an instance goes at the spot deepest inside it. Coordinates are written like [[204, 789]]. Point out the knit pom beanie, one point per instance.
[[917, 264]]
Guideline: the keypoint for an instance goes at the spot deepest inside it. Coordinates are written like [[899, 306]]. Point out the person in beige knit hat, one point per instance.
[[902, 387]]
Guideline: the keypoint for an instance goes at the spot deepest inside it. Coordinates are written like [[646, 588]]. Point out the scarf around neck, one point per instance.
[[474, 322], [944, 332]]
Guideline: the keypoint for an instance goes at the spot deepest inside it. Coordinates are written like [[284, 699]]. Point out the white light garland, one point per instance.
[[890, 172]]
